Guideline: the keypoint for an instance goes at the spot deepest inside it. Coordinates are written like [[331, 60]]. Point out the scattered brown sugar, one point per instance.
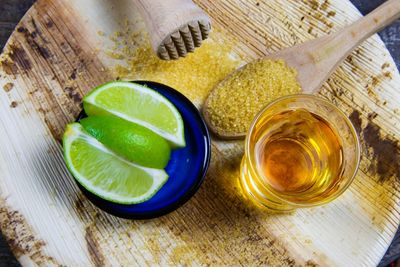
[[115, 55], [325, 5], [233, 105], [14, 104], [318, 17], [331, 13], [194, 76], [385, 65], [388, 74], [8, 87]]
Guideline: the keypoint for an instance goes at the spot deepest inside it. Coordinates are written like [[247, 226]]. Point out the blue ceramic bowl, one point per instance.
[[186, 168]]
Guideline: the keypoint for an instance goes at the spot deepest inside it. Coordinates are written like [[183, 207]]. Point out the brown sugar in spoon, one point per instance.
[[313, 60]]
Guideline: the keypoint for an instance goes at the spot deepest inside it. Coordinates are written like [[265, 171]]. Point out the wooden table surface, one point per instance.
[[11, 12]]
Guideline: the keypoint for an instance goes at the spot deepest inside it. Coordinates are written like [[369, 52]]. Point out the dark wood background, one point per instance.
[[11, 12]]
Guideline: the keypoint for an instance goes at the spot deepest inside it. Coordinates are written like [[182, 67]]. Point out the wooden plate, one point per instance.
[[60, 50]]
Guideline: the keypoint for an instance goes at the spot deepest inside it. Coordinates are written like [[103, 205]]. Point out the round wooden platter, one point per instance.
[[58, 53]]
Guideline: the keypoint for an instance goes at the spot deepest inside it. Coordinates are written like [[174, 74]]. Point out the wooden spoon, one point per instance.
[[315, 60]]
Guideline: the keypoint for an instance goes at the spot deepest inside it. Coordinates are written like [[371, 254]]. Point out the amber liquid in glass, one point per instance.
[[299, 156]]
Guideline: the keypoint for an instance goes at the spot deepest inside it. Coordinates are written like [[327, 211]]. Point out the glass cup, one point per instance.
[[300, 151]]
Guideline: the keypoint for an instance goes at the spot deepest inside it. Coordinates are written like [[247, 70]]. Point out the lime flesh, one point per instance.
[[130, 140], [104, 173], [140, 105]]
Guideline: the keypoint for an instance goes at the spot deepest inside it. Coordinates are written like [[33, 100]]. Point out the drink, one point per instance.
[[302, 158], [295, 155]]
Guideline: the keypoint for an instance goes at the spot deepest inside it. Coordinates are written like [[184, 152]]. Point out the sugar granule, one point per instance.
[[232, 107]]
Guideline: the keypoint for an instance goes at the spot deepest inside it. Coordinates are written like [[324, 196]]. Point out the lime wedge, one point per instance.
[[130, 140], [138, 104], [104, 173]]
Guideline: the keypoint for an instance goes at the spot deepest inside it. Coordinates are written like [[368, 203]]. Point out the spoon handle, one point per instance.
[[353, 35], [375, 21], [321, 56]]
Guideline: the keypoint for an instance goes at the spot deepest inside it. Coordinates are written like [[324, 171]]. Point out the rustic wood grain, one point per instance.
[[65, 108], [11, 11]]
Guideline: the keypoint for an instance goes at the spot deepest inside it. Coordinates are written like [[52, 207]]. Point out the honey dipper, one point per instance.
[[175, 27], [313, 60]]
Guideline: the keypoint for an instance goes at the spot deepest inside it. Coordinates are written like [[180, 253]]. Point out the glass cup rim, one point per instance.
[[319, 99]]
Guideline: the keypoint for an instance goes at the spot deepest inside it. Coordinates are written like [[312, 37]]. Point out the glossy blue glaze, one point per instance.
[[186, 169]]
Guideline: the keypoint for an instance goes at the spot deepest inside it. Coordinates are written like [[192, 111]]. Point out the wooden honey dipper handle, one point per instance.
[[175, 27]]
